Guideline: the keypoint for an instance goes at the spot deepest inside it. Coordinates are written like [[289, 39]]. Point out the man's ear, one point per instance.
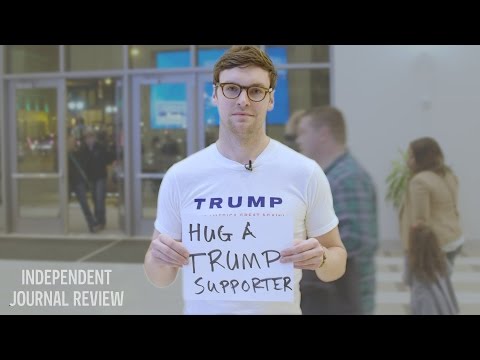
[[271, 101], [214, 97], [324, 133]]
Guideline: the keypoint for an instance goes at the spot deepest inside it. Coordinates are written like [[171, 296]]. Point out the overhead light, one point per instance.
[[134, 51], [76, 105]]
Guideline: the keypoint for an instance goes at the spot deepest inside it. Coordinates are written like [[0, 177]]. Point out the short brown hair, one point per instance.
[[428, 156], [243, 56], [332, 118]]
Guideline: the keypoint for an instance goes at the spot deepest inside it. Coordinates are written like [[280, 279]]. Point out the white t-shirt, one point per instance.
[[279, 172]]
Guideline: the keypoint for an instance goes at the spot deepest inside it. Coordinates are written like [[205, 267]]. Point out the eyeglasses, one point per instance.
[[254, 93]]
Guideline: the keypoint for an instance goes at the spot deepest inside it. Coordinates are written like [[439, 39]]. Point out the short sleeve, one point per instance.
[[168, 219], [320, 218]]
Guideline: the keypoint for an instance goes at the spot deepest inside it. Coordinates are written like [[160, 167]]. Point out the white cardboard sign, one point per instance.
[[237, 258]]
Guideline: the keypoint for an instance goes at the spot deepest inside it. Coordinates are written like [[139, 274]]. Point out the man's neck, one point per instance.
[[328, 157], [242, 150]]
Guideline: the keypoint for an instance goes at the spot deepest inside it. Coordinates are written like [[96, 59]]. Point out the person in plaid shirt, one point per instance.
[[321, 135]]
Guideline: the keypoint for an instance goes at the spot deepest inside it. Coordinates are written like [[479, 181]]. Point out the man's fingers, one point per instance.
[[176, 246], [299, 247], [166, 259], [173, 254], [308, 255], [309, 264], [297, 257], [169, 251]]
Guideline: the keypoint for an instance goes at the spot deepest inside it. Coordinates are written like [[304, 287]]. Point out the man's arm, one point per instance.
[[335, 257], [163, 258], [309, 255], [355, 204]]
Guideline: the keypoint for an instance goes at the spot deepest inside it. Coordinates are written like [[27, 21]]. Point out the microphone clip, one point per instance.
[[249, 166]]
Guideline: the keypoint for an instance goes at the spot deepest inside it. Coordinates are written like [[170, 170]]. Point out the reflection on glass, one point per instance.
[[301, 53], [150, 189], [38, 198], [36, 131], [306, 89], [163, 126], [31, 58], [93, 57], [153, 56], [207, 55]]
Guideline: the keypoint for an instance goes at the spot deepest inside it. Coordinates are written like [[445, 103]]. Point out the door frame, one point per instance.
[[42, 225]]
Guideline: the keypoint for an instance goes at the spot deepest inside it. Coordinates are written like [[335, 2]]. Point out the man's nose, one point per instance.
[[243, 98]]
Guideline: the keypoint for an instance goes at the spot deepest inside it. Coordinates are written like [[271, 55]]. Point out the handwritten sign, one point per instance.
[[237, 258]]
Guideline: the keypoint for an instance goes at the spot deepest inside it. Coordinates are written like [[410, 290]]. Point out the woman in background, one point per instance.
[[431, 203]]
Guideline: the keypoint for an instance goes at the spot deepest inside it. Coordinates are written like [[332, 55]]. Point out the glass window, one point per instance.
[[164, 126], [207, 55], [93, 57], [158, 56], [38, 204], [31, 58], [210, 114], [291, 54], [296, 90], [37, 130], [150, 189], [163, 136]]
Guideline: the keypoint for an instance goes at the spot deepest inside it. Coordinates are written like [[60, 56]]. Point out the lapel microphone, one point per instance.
[[249, 166]]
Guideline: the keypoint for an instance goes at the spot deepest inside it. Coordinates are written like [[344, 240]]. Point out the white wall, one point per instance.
[[392, 94]]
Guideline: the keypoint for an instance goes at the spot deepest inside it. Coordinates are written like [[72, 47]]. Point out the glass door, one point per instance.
[[37, 156], [163, 134], [94, 116]]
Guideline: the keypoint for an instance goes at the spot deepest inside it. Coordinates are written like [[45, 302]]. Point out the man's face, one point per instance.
[[242, 116], [308, 137]]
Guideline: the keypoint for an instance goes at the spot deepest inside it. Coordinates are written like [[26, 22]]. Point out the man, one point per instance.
[[290, 135], [322, 137], [97, 158], [78, 181], [243, 162]]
